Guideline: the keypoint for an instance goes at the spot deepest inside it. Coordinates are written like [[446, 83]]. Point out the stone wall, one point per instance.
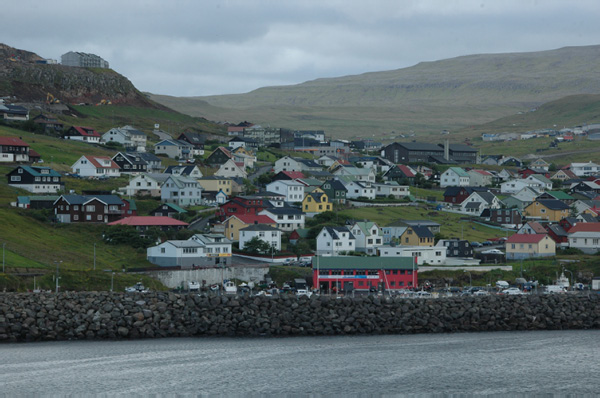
[[33, 317], [179, 278]]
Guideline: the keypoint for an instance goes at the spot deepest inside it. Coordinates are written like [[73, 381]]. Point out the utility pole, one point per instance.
[[3, 257], [112, 280], [95, 257], [57, 277]]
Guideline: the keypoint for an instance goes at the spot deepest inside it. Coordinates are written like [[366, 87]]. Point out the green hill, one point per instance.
[[428, 97]]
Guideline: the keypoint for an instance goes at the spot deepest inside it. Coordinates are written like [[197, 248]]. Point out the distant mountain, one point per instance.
[[21, 76], [428, 97]]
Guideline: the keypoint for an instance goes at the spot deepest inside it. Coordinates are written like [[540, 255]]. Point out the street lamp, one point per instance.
[[57, 277], [572, 279], [470, 280], [3, 258], [112, 280], [95, 257]]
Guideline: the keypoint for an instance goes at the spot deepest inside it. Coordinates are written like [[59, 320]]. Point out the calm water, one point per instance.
[[563, 362]]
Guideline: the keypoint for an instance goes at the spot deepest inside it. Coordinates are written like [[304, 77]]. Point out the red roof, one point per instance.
[[34, 154], [143, 221], [293, 174], [406, 170], [14, 141], [254, 219], [585, 227], [96, 161], [482, 172], [235, 128], [86, 131], [526, 238]]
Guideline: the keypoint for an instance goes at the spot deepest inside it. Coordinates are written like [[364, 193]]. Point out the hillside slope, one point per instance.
[[427, 97]]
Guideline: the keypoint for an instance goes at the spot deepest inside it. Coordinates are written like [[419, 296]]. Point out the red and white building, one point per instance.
[[96, 166], [85, 134]]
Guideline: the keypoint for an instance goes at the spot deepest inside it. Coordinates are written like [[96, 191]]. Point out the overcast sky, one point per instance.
[[205, 47]]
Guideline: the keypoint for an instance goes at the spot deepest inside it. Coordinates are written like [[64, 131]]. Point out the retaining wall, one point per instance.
[[179, 278], [104, 315]]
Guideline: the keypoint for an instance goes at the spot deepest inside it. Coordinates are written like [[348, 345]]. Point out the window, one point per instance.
[[15, 178], [90, 208], [162, 250], [99, 217]]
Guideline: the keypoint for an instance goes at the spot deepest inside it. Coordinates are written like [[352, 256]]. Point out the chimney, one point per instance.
[[447, 149]]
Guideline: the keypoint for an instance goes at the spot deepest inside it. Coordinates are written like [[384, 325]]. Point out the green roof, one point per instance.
[[367, 263], [176, 208], [366, 226], [560, 195], [459, 171], [303, 232], [132, 205], [34, 171]]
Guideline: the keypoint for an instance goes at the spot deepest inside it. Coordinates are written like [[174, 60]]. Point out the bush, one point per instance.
[[569, 251]]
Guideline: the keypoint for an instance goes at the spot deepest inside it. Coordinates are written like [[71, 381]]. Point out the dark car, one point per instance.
[[476, 244]]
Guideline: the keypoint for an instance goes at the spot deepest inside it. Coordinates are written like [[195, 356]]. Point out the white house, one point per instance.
[[291, 189], [96, 166], [546, 183], [183, 191], [127, 136], [231, 169], [585, 169], [287, 218], [191, 171], [263, 232], [333, 240], [365, 174], [287, 163], [479, 178], [454, 177], [358, 189], [514, 186], [368, 236], [585, 237], [479, 201], [430, 255], [175, 149], [199, 251], [145, 185], [391, 188]]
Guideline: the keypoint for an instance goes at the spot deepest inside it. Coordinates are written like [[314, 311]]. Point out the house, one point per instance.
[[349, 273], [505, 175], [401, 174], [194, 139], [326, 161], [419, 152], [356, 173], [457, 195], [293, 191], [368, 236], [508, 218], [391, 189], [35, 179], [376, 163], [454, 177], [456, 247], [144, 223], [246, 160], [585, 186], [215, 184], [557, 195], [564, 175], [287, 163], [540, 164], [335, 190], [218, 157], [522, 246], [532, 227], [479, 178], [479, 201], [168, 210], [231, 169], [417, 236], [549, 210], [546, 183], [521, 199], [333, 241], [14, 112], [359, 190], [206, 250], [585, 169], [234, 224], [130, 163], [241, 142], [183, 191], [127, 136], [49, 122], [316, 202], [558, 235], [220, 197], [191, 171], [145, 185], [90, 209], [153, 162], [96, 166], [287, 218], [514, 186], [241, 205], [175, 149], [585, 237], [420, 255], [288, 175], [13, 149], [297, 235], [266, 233], [80, 133]]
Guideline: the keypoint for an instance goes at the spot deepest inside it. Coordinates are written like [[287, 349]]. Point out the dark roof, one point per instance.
[[487, 196], [284, 210], [133, 158], [422, 232], [473, 205], [420, 146], [194, 138], [336, 231], [185, 172], [557, 230], [460, 148], [81, 199], [554, 204], [259, 227], [309, 163], [336, 185], [147, 156]]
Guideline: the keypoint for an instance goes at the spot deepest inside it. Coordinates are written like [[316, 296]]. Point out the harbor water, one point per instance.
[[505, 363]]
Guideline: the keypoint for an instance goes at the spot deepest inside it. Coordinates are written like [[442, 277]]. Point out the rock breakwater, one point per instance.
[[103, 315]]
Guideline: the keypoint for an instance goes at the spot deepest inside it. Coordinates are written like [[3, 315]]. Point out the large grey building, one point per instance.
[[83, 60]]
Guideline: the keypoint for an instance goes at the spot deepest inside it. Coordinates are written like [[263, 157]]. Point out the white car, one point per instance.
[[303, 292], [492, 251], [511, 291], [481, 293]]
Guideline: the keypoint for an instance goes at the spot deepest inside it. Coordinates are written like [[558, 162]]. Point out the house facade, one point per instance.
[[454, 177], [287, 218], [368, 236], [84, 134], [130, 163], [521, 246], [35, 179], [182, 191], [208, 250], [266, 233], [316, 202], [292, 190], [96, 166], [13, 149], [332, 241], [88, 209], [174, 149], [231, 169]]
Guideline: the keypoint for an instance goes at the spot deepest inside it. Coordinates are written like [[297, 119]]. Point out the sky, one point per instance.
[[212, 47]]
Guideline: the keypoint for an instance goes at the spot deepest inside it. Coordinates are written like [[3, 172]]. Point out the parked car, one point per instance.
[[512, 291], [487, 243], [481, 293], [492, 251], [303, 292], [476, 244], [422, 294]]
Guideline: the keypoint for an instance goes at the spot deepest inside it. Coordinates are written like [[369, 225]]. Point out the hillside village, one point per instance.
[[269, 196]]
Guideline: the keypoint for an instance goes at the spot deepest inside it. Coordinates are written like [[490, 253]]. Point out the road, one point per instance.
[[478, 268], [261, 170], [162, 135], [201, 223]]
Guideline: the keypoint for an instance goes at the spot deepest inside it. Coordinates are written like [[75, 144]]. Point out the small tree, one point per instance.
[[257, 245]]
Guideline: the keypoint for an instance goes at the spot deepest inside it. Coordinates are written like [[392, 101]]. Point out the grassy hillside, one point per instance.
[[426, 98]]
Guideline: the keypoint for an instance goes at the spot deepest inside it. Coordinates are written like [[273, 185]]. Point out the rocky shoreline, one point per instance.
[[103, 315]]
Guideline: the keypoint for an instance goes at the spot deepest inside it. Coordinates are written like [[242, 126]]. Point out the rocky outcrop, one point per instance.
[[38, 317]]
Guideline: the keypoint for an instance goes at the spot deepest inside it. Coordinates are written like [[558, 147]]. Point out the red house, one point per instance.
[[240, 205], [349, 273], [457, 195]]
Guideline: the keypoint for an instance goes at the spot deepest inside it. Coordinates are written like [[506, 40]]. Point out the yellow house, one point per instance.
[[316, 202], [234, 223], [551, 210], [216, 184], [520, 246], [417, 236]]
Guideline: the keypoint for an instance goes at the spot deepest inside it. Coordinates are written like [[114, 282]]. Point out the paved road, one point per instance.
[[482, 268], [200, 224], [162, 135], [261, 170]]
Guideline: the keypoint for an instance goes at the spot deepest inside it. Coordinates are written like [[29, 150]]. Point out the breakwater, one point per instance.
[[104, 315]]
